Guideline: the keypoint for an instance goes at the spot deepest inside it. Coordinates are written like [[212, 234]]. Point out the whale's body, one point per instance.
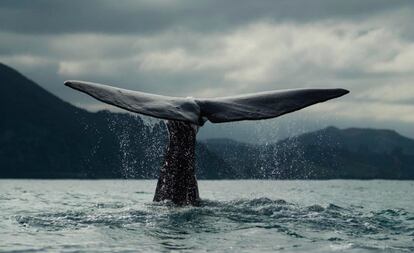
[[177, 181]]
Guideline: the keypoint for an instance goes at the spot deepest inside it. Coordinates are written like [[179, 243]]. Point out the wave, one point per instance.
[[316, 222]]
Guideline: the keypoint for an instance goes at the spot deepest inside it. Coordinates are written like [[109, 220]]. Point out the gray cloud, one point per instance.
[[104, 16], [213, 48]]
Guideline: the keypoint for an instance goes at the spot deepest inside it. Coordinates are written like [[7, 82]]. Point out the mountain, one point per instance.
[[42, 136], [359, 140], [329, 153]]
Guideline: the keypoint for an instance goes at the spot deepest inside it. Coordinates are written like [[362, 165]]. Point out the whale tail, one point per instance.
[[177, 181], [256, 106]]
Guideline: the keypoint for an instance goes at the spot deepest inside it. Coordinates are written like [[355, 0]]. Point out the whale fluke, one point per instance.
[[256, 106], [163, 107], [263, 105]]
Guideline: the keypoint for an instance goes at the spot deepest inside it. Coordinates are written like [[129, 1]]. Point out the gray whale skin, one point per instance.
[[177, 181]]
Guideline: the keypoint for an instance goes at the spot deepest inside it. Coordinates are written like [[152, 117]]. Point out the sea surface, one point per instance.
[[234, 216]]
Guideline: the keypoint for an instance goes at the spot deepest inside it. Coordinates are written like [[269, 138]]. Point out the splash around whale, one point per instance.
[[177, 181]]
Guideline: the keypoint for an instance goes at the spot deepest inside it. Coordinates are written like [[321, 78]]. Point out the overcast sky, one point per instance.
[[218, 47]]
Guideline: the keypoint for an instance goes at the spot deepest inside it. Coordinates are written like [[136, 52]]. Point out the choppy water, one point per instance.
[[235, 216]]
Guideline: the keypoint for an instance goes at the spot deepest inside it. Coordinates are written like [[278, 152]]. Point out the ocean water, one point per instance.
[[235, 216]]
